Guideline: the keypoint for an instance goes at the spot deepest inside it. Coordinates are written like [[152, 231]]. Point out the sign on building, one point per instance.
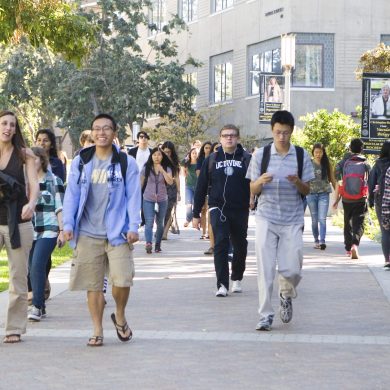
[[272, 93], [375, 111]]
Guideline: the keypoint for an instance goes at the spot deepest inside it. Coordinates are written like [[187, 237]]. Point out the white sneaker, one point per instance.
[[222, 292], [236, 287]]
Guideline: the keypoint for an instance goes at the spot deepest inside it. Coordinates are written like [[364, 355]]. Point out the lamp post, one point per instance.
[[288, 62], [135, 130]]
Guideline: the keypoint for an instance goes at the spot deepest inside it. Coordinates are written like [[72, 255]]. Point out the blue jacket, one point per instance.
[[123, 209]]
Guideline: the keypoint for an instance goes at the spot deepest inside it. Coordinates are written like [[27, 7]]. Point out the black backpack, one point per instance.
[[267, 155], [122, 161]]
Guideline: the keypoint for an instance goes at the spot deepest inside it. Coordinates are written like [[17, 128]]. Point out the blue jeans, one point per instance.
[[190, 192], [318, 206], [151, 215], [39, 255]]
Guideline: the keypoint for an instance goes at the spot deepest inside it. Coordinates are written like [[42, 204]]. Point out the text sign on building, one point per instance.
[[272, 90], [375, 111]]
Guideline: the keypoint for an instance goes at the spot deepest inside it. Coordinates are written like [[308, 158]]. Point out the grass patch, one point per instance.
[[371, 224], [58, 257]]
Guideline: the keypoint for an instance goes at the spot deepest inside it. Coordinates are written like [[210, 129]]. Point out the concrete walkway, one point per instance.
[[186, 338]]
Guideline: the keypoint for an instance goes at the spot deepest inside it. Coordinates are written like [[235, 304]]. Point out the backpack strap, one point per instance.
[[299, 152], [265, 159], [212, 159], [123, 163]]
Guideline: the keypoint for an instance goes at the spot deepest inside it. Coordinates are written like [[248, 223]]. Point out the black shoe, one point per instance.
[[157, 248], [322, 247]]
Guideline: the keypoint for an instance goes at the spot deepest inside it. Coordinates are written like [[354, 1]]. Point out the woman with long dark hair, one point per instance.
[[318, 198], [18, 196], [376, 189], [48, 231], [173, 190], [155, 176], [46, 139], [189, 169]]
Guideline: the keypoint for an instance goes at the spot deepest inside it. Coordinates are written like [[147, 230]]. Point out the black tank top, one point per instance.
[[14, 168]]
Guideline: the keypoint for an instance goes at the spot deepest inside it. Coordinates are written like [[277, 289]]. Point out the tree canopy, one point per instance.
[[116, 76], [333, 129], [53, 23], [376, 60]]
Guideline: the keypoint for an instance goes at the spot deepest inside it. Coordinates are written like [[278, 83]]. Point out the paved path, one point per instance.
[[186, 338]]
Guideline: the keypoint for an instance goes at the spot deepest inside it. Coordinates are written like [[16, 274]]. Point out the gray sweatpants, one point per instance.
[[281, 245]]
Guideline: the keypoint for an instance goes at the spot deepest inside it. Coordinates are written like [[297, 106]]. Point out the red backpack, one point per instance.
[[354, 184]]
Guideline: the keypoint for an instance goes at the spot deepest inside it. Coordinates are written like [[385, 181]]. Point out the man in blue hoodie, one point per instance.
[[101, 217], [222, 177]]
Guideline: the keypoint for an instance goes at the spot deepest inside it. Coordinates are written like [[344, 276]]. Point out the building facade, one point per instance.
[[237, 39]]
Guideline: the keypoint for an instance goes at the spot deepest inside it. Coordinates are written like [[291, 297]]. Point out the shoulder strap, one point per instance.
[[299, 152], [212, 159], [123, 163], [265, 159]]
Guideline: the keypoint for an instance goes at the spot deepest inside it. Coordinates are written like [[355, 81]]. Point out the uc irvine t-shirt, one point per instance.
[[92, 220]]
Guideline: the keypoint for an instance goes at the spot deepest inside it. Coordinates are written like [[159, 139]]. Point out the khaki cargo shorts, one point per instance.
[[93, 258]]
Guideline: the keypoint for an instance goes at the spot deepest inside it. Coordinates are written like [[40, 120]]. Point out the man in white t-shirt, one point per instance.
[[142, 151]]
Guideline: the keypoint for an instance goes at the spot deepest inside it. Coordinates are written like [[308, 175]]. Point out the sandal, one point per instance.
[[95, 341], [12, 339], [121, 328]]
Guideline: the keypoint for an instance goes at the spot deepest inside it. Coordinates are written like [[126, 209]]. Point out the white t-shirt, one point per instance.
[[142, 157]]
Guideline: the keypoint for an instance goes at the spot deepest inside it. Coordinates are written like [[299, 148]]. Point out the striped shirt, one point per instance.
[[49, 204], [280, 202]]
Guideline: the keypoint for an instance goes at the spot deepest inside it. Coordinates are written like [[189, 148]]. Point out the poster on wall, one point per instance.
[[375, 111], [272, 92]]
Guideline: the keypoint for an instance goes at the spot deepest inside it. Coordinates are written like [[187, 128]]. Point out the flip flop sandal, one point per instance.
[[95, 341], [7, 340], [122, 328]]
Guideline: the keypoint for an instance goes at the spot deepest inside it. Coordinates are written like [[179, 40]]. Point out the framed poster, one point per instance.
[[272, 92], [375, 111]]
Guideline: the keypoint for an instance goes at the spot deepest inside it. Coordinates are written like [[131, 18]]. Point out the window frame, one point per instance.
[[221, 60], [322, 70]]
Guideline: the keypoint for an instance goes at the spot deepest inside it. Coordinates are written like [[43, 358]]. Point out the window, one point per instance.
[[308, 66], [188, 10], [191, 78], [221, 75], [157, 13], [220, 5], [314, 61], [385, 38], [262, 57]]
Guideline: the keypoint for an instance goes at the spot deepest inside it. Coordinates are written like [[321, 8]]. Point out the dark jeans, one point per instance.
[[354, 214], [234, 227], [385, 237], [37, 262]]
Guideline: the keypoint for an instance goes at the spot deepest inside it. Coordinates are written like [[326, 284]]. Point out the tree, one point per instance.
[[115, 77], [53, 23], [376, 60], [333, 129], [183, 128]]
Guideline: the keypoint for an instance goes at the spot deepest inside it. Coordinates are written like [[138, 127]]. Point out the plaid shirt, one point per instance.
[[48, 206]]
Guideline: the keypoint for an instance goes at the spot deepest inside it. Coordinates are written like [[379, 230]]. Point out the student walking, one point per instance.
[[48, 231], [101, 217], [16, 211], [318, 198], [280, 174], [155, 176], [376, 190], [352, 176], [189, 168], [223, 179]]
